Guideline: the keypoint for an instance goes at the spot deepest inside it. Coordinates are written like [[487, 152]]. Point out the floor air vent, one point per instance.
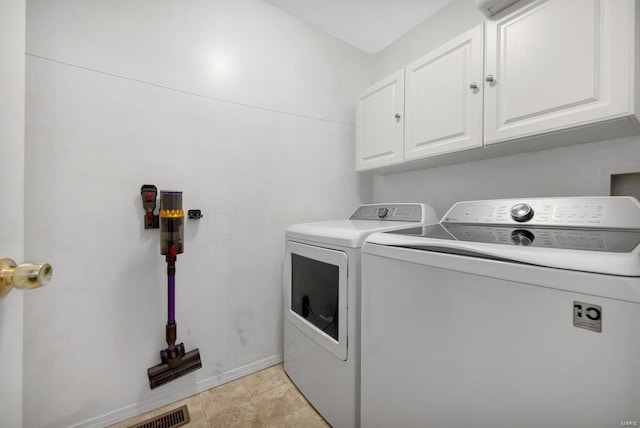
[[174, 418]]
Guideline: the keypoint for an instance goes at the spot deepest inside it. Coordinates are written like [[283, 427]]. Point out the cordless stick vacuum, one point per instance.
[[175, 362]]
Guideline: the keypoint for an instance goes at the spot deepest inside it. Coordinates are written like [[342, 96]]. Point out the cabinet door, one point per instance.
[[444, 98], [379, 124], [555, 64]]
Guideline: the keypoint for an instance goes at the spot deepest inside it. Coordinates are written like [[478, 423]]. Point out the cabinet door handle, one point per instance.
[[489, 78], [397, 116], [473, 85]]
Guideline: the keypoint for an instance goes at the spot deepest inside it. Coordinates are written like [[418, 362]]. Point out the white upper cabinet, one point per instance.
[[443, 98], [555, 72], [380, 124], [554, 64]]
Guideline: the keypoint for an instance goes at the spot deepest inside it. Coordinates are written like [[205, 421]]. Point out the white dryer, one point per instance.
[[509, 313], [322, 304]]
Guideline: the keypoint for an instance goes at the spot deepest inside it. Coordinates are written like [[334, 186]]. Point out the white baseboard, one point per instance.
[[177, 394]]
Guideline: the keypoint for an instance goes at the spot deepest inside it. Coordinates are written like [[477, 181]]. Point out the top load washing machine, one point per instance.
[[509, 313], [321, 304]]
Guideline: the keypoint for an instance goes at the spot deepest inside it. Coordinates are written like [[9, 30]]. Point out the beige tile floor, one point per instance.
[[266, 399]]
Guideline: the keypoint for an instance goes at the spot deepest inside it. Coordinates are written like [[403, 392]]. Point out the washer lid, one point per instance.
[[594, 234], [611, 263], [600, 240]]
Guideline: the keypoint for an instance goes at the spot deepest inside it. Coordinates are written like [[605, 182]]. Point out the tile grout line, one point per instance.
[[246, 400], [284, 382], [204, 410], [253, 406]]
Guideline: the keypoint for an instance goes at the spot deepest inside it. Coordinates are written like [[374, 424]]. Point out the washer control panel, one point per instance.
[[389, 212], [593, 212]]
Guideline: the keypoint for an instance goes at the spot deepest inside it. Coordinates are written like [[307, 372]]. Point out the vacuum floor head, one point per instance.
[[166, 372]]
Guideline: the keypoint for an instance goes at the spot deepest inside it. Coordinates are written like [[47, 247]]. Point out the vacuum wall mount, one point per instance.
[[175, 362], [149, 194]]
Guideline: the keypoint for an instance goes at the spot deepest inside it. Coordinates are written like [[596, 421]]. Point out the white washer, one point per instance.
[[322, 313], [509, 313]]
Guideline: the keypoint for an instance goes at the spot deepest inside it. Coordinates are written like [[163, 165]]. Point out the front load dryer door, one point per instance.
[[315, 294]]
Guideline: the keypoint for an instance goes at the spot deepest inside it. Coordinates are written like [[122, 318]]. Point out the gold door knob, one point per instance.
[[23, 276]]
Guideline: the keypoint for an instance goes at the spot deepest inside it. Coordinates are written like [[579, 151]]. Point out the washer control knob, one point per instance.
[[382, 212], [521, 212]]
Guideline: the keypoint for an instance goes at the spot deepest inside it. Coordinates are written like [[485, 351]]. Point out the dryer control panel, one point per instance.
[[390, 212]]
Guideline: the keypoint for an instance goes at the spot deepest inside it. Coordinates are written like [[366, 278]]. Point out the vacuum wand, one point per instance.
[[171, 310], [175, 362], [171, 331]]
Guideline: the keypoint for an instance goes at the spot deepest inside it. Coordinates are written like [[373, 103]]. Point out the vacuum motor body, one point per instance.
[[171, 222]]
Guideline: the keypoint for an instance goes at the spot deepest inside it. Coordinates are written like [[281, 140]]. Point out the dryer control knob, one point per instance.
[[521, 212], [382, 212]]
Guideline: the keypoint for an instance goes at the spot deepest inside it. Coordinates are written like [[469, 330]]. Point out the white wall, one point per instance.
[[568, 171], [247, 111], [12, 40], [451, 21]]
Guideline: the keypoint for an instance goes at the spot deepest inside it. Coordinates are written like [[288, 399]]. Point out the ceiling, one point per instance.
[[370, 25]]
